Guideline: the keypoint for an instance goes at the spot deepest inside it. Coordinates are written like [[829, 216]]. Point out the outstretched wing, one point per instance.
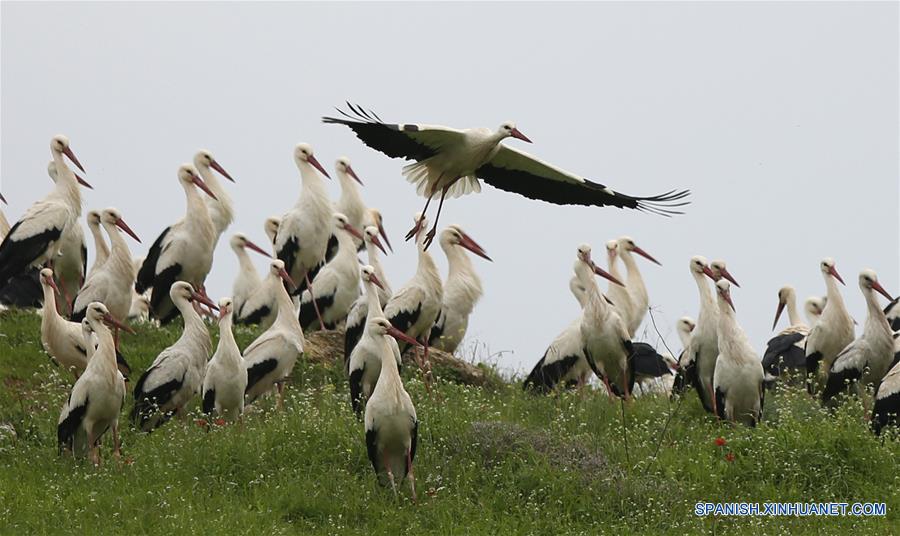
[[518, 172]]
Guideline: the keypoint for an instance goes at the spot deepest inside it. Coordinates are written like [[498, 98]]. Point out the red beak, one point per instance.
[[112, 321], [377, 243], [353, 174], [68, 152], [727, 297], [727, 275], [82, 181], [202, 185], [223, 312], [646, 255], [120, 223], [375, 281], [709, 273], [832, 272], [52, 285], [516, 133], [467, 242], [778, 313], [354, 231], [876, 286], [383, 234], [400, 336], [215, 165], [315, 163], [254, 247], [603, 273], [196, 296], [287, 278]]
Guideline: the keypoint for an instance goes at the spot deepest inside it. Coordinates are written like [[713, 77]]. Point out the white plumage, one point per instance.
[[832, 333], [638, 298], [226, 378], [70, 264], [101, 249], [220, 207], [698, 362], [247, 281]]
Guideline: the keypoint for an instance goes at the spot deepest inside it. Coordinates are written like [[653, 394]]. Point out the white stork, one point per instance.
[[364, 362], [356, 318], [101, 249], [336, 286], [112, 283], [219, 205], [462, 290], [451, 161], [350, 203], [867, 358], [720, 271], [813, 308], [226, 378], [699, 358], [390, 420], [832, 333], [304, 239], [182, 252], [70, 264], [739, 376], [374, 218], [140, 303], [270, 226], [247, 281], [176, 374], [34, 239], [604, 333], [785, 350], [564, 362], [886, 410], [686, 373], [414, 308], [634, 286], [270, 359], [617, 294], [97, 397]]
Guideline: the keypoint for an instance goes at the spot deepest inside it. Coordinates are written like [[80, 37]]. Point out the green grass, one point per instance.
[[557, 465]]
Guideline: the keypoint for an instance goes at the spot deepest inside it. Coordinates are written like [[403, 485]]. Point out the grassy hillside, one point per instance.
[[491, 460]]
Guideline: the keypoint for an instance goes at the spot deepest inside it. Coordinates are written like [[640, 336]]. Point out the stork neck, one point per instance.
[[222, 202], [197, 211], [67, 187], [346, 247], [375, 261], [350, 199], [244, 262], [875, 318], [226, 337], [635, 281], [835, 300], [106, 348], [50, 315], [793, 314], [426, 266], [100, 246], [389, 374], [594, 302], [193, 324], [458, 262], [374, 306], [707, 302], [311, 182], [287, 317]]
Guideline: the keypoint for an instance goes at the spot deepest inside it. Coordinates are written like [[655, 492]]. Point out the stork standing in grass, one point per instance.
[[356, 318], [832, 333], [270, 359], [450, 162], [226, 378], [247, 281], [390, 421], [739, 374], [703, 349], [462, 290], [182, 252], [686, 372], [34, 239], [176, 374], [336, 285], [97, 397], [886, 410], [869, 357], [101, 249], [364, 362], [786, 350], [70, 265]]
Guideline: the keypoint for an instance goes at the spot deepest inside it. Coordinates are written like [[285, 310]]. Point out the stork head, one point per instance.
[[584, 259], [685, 325], [226, 307], [509, 130], [828, 269], [276, 269], [370, 235], [303, 154], [381, 326], [627, 244], [454, 236], [48, 281], [271, 226], [723, 287], [59, 144], [182, 291], [342, 223], [189, 178], [344, 168], [204, 160], [786, 294], [143, 305], [239, 241], [868, 281], [422, 226], [612, 249], [53, 172], [720, 271], [367, 274], [699, 265], [814, 306], [93, 218], [111, 216], [378, 220], [97, 312]]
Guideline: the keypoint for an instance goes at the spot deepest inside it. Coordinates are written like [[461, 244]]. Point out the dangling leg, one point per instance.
[[430, 236], [410, 475], [415, 230], [312, 297]]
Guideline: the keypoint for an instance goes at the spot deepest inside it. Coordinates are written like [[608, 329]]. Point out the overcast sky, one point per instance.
[[781, 118]]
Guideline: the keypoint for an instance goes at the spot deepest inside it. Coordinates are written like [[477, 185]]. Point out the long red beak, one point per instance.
[[202, 185], [196, 296], [82, 181], [709, 273], [353, 174], [400, 336], [377, 243], [120, 223], [215, 165], [254, 247], [383, 234], [727, 275], [467, 242], [646, 255], [876, 286], [52, 285], [113, 321], [223, 312], [603, 273], [315, 163], [833, 272], [375, 281], [354, 231], [68, 152], [778, 313], [287, 278], [516, 133], [727, 297]]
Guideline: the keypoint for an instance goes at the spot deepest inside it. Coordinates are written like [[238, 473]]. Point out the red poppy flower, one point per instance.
[[729, 457], [200, 422], [220, 422], [720, 442]]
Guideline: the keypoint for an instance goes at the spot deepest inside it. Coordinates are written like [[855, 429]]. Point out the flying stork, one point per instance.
[[739, 376], [832, 333], [34, 239], [182, 252], [247, 282], [226, 378], [451, 161], [462, 290]]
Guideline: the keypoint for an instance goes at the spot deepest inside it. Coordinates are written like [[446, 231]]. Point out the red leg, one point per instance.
[[430, 236], [411, 475], [415, 230], [313, 299]]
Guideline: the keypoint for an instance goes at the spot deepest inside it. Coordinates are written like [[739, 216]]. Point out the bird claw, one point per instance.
[[429, 237], [415, 230]]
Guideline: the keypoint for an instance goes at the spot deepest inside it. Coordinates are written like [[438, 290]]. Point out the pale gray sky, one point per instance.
[[782, 119]]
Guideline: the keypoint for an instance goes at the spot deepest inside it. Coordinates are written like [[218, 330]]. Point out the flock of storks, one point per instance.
[[313, 283]]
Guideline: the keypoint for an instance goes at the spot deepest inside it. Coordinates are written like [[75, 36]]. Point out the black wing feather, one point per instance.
[[386, 138], [17, 255], [148, 268]]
